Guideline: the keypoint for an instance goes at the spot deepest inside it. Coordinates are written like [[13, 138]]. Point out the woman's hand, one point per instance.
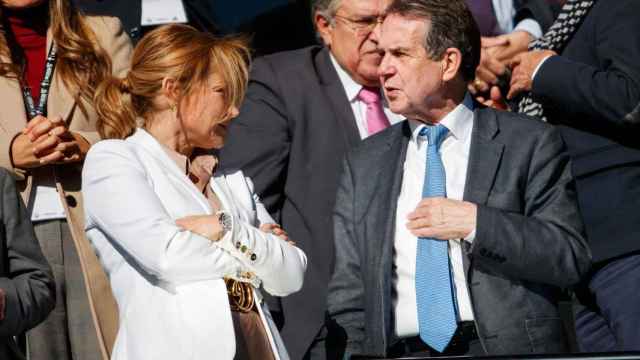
[[276, 230], [201, 170], [203, 225], [47, 141]]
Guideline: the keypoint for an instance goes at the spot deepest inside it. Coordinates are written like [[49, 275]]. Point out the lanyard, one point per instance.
[[32, 110]]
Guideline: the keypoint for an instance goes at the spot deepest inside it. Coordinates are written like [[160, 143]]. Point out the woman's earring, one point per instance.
[[172, 107]]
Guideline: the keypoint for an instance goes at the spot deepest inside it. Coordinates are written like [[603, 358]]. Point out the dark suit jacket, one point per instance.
[[528, 242], [294, 127], [589, 91], [199, 13], [25, 275], [539, 10]]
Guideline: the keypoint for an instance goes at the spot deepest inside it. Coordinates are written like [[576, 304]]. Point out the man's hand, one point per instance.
[[505, 47], [487, 73], [523, 67], [276, 230], [497, 52], [3, 304], [203, 225], [442, 219]]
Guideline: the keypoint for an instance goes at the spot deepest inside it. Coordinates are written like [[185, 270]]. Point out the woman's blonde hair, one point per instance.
[[175, 51], [81, 63]]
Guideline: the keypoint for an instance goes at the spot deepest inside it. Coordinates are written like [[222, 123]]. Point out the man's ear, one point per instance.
[[451, 62], [170, 90], [324, 27]]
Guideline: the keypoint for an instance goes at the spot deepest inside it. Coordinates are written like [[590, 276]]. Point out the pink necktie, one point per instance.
[[376, 119]]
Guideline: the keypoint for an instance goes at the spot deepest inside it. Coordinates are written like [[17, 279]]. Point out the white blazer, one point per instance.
[[168, 282]]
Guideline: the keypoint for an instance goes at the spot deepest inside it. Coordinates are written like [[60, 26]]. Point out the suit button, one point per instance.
[[71, 201], [253, 257], [243, 248], [238, 245]]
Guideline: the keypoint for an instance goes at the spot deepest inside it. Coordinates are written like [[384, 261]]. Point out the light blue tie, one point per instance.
[[434, 293]]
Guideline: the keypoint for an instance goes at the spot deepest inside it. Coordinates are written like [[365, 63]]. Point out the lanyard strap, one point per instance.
[[32, 110]]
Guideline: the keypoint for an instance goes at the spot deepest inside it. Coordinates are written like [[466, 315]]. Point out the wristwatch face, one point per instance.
[[225, 221]]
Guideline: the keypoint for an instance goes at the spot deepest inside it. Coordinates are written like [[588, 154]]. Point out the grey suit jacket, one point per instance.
[[25, 275], [529, 237]]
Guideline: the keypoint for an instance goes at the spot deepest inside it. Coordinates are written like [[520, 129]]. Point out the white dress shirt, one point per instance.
[[455, 157], [505, 11], [359, 108]]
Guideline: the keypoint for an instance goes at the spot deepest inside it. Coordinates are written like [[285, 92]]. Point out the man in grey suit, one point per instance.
[[456, 230], [27, 291], [304, 109]]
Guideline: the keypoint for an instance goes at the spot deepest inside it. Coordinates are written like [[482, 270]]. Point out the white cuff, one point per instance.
[[472, 236], [535, 71], [531, 26]]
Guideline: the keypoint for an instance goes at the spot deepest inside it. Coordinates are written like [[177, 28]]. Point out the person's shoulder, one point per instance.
[[291, 60], [373, 145], [110, 147], [514, 122], [4, 174], [518, 131], [6, 178], [102, 24]]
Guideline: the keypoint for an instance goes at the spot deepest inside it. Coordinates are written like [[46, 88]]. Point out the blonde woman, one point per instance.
[[52, 58], [185, 252]]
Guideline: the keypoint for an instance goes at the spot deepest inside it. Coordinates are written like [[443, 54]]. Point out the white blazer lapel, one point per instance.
[[221, 189], [149, 142]]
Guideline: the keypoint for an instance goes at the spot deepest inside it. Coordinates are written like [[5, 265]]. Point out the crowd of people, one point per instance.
[[435, 179]]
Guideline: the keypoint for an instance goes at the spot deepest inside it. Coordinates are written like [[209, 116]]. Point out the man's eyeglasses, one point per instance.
[[361, 26]]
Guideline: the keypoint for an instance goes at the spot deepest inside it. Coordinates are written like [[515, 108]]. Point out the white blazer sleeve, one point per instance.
[[280, 265], [120, 201]]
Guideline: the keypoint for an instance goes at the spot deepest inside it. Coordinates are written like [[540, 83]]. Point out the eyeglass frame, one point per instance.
[[362, 26]]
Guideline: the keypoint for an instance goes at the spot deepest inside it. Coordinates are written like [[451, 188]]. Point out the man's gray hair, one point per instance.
[[326, 8]]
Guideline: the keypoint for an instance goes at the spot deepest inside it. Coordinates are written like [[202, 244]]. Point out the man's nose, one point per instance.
[[385, 69]]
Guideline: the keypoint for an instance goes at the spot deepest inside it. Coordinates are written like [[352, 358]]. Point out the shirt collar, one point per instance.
[[350, 86], [459, 121]]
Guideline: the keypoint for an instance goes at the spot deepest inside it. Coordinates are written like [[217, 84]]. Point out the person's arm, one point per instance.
[[606, 92], [29, 290], [120, 201], [258, 141], [538, 11], [345, 300], [280, 265], [545, 243]]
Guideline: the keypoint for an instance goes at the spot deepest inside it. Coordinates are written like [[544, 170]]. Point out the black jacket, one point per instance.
[[590, 91], [25, 275]]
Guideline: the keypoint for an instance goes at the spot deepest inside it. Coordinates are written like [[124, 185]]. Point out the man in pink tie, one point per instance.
[[303, 111]]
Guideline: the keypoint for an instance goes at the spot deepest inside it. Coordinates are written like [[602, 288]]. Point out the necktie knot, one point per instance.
[[434, 134], [369, 95]]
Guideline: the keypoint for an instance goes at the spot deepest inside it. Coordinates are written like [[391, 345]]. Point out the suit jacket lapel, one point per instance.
[[380, 231], [337, 98], [484, 158], [376, 201]]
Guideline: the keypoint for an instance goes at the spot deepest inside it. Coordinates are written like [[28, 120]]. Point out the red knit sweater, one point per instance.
[[29, 27]]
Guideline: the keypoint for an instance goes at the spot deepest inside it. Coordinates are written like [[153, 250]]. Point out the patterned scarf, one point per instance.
[[556, 38]]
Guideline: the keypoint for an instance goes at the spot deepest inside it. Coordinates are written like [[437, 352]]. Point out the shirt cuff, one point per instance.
[[531, 26], [535, 71], [472, 236]]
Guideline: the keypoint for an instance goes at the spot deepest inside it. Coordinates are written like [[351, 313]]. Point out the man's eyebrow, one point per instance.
[[397, 49]]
